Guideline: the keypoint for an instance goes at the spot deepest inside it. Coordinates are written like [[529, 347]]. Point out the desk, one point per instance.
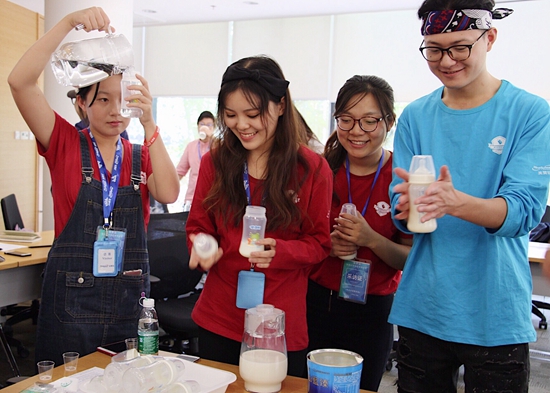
[[537, 251], [20, 277], [97, 359]]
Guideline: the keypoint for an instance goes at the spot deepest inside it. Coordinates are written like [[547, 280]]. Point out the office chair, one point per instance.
[[157, 207], [172, 282], [12, 220], [541, 236], [10, 211]]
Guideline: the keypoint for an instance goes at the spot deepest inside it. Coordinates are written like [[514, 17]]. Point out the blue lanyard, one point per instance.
[[199, 150], [373, 182], [246, 182], [109, 188]]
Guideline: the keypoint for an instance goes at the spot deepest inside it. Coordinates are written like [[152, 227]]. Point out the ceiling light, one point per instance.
[[149, 11]]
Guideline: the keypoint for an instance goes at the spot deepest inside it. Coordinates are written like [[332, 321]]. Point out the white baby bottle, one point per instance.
[[152, 377], [254, 222], [421, 175], [205, 245]]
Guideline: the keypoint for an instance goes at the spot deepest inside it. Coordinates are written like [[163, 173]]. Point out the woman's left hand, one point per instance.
[[144, 101], [263, 259], [354, 229]]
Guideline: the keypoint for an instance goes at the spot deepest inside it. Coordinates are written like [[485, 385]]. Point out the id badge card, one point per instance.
[[117, 235], [250, 289], [354, 281], [105, 253]]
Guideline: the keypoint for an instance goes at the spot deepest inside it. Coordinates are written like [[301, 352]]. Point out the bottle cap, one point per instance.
[[148, 302]]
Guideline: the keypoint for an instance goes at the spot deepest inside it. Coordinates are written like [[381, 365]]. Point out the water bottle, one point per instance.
[[148, 329], [128, 79]]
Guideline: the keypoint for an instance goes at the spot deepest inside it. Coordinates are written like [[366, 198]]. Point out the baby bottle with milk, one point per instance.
[[421, 175], [254, 221], [263, 362]]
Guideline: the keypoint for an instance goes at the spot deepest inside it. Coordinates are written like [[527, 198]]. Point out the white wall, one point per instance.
[[317, 54]]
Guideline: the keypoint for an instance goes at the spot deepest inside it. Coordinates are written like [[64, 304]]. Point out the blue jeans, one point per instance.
[[427, 364]]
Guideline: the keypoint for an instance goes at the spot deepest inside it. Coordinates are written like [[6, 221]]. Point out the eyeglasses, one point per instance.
[[209, 125], [367, 123], [455, 52]]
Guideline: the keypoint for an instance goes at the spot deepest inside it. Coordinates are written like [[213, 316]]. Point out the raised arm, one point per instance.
[[23, 78]]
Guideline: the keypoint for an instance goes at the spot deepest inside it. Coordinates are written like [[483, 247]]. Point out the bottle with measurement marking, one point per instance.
[[254, 222], [421, 175]]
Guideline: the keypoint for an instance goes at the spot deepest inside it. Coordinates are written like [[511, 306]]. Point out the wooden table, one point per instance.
[[98, 359], [20, 277]]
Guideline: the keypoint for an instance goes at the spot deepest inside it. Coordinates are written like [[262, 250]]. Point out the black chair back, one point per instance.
[[169, 256], [10, 211]]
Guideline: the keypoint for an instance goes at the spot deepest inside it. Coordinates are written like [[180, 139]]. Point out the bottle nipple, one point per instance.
[[422, 170]]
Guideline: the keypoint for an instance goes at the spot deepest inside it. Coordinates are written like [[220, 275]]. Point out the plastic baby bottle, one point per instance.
[[152, 377], [349, 208], [114, 370], [254, 221], [205, 245], [421, 175]]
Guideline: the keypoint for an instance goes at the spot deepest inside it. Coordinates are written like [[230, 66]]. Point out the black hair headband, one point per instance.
[[273, 85]]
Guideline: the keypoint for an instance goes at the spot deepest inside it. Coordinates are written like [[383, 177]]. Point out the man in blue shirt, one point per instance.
[[465, 295]]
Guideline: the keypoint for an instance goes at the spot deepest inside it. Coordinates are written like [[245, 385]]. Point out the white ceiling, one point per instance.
[[169, 12]]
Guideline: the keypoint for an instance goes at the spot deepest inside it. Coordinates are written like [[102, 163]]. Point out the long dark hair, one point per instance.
[[227, 196], [353, 91], [440, 5]]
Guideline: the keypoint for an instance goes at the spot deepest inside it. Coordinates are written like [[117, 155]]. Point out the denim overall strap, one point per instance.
[[79, 312]]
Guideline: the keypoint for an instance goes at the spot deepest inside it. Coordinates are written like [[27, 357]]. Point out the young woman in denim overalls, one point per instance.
[[81, 308]]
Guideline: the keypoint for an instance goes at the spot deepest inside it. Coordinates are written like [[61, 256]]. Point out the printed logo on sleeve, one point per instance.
[[542, 170]]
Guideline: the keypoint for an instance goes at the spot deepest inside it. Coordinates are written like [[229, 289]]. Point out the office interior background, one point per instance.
[[183, 64]]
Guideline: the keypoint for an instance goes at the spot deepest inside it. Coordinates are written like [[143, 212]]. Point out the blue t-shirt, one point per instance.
[[465, 283]]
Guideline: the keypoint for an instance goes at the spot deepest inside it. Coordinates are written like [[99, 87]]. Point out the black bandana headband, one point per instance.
[[447, 21], [273, 85]]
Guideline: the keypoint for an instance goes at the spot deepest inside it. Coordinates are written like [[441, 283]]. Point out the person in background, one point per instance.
[[190, 161], [310, 138], [362, 170], [259, 159], [80, 308], [489, 140], [83, 123]]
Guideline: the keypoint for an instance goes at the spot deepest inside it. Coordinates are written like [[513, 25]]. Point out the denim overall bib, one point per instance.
[[79, 312]]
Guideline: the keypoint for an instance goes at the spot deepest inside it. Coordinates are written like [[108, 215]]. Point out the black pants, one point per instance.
[[428, 364], [361, 328], [221, 349]]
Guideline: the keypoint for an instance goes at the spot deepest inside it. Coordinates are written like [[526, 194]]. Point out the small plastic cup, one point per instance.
[[45, 370], [70, 359], [131, 343]]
